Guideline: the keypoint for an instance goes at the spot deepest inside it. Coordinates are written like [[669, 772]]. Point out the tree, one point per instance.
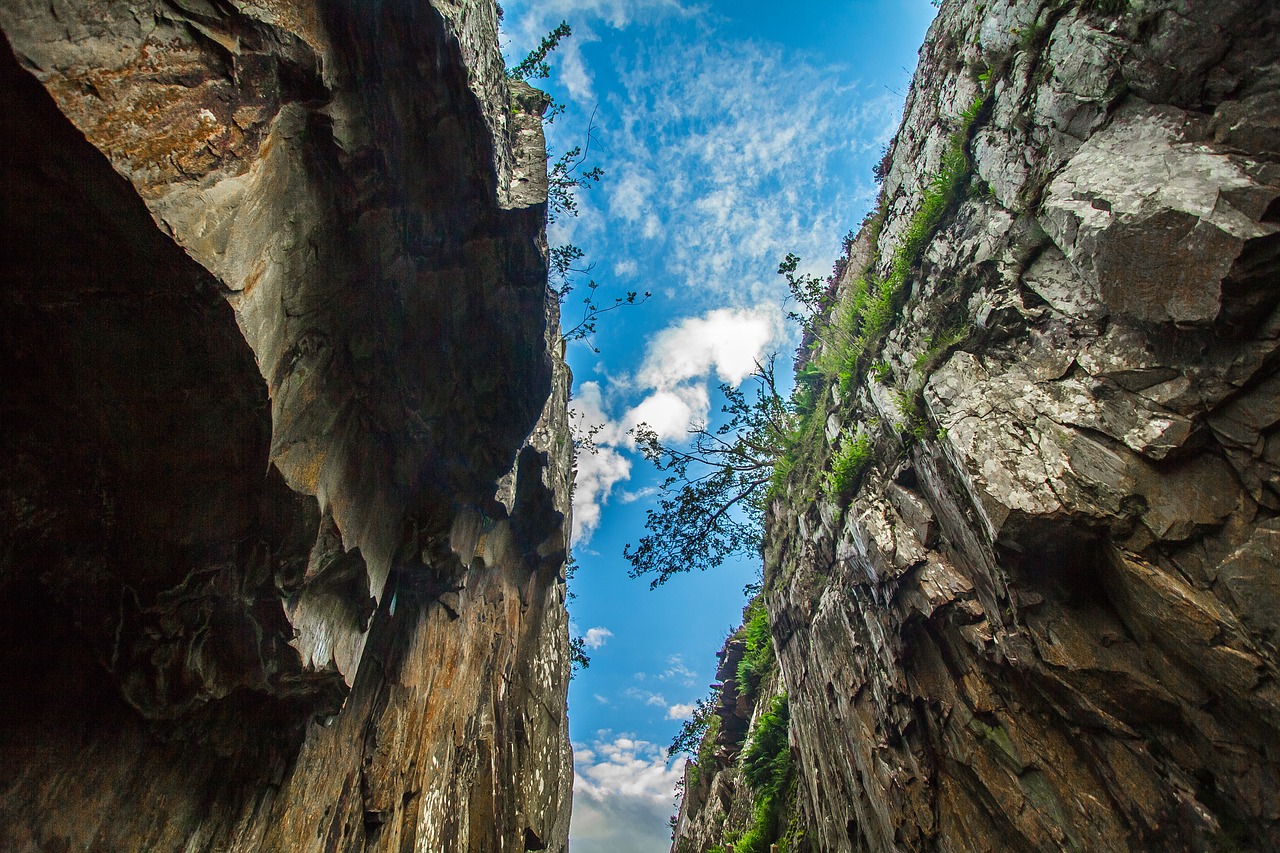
[[534, 66], [689, 738], [712, 502], [578, 657]]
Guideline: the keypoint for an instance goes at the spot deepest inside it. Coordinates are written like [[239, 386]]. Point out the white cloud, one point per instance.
[[729, 340], [622, 795], [603, 700], [597, 473], [625, 765], [681, 712], [680, 360], [630, 196], [670, 412], [646, 696], [750, 150], [600, 464], [596, 637], [676, 669], [629, 497]]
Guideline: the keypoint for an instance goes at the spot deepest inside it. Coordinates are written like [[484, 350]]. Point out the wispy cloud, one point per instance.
[[648, 697], [681, 712], [623, 794], [677, 670], [734, 156]]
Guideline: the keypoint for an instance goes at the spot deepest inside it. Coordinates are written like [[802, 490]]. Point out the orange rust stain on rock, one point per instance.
[[308, 471], [167, 116], [252, 279]]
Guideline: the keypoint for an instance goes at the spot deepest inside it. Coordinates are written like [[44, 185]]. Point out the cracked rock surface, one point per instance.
[[1047, 620], [286, 471]]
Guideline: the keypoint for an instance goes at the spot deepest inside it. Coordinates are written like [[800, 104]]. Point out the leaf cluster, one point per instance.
[[758, 661], [690, 737], [593, 308], [534, 66], [578, 657], [712, 500]]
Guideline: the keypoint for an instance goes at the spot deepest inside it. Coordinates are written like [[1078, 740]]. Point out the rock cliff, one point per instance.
[[1023, 582], [286, 466]]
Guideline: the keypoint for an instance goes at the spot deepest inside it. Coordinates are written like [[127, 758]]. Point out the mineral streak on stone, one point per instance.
[[1052, 623], [286, 467]]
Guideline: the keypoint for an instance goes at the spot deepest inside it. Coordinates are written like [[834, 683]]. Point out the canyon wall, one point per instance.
[[1023, 582], [286, 465]]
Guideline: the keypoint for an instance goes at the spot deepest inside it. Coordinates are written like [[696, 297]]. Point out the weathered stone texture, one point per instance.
[[1051, 622], [285, 478]]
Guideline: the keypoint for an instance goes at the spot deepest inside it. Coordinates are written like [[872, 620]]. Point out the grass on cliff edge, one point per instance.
[[768, 771], [852, 331]]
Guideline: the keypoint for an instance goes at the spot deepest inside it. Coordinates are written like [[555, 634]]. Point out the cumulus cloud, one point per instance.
[[623, 794], [597, 473], [681, 712], [724, 344], [596, 637], [728, 341]]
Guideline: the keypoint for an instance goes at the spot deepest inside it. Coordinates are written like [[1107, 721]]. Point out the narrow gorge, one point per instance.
[[288, 462], [1021, 581]]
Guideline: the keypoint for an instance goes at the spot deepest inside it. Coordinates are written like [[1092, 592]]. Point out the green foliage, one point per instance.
[[578, 657], [767, 758], [1106, 7], [691, 735], [712, 501], [563, 178], [758, 662], [767, 768], [810, 291], [706, 756], [914, 426], [534, 66], [847, 465]]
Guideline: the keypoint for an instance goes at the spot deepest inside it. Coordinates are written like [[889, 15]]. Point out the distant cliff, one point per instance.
[[285, 480], [1022, 582]]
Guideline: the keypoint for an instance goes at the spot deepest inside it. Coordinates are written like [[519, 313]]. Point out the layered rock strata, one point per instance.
[[1047, 618], [286, 463]]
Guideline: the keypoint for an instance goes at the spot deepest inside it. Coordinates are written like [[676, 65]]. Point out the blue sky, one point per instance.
[[731, 133]]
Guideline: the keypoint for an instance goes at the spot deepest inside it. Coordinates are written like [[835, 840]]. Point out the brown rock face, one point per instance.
[[284, 485], [1047, 619]]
